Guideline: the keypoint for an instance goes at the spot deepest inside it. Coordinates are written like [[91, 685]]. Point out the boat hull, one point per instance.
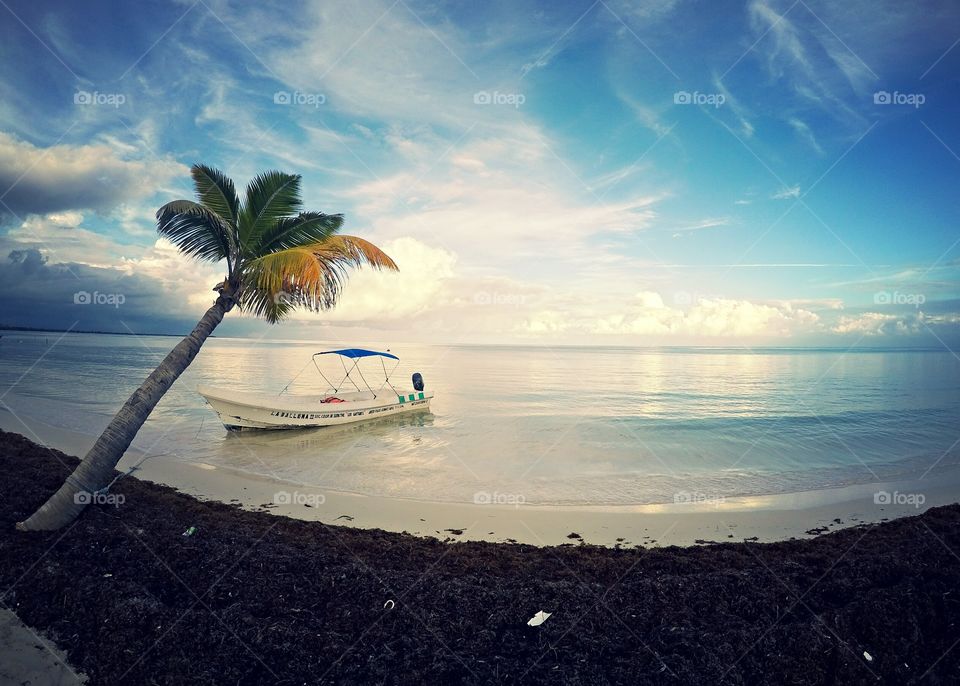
[[242, 411]]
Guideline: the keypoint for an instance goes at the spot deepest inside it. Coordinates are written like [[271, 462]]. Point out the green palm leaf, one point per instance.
[[306, 228], [195, 229], [216, 191], [271, 196]]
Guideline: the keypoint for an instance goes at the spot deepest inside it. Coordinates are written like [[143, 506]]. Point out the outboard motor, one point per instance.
[[417, 381]]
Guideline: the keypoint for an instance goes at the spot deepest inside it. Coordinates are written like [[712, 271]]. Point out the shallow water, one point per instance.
[[572, 426]]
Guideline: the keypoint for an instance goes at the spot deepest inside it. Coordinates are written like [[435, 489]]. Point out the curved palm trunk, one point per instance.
[[96, 469]]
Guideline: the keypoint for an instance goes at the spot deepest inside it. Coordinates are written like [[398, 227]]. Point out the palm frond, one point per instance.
[[306, 228], [194, 229], [271, 306], [216, 191], [310, 276], [354, 252], [271, 196]]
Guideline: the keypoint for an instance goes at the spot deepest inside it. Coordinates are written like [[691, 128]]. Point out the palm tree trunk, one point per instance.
[[95, 471]]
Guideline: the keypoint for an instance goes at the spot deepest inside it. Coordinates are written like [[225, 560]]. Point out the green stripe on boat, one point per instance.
[[401, 398], [411, 396], [421, 396]]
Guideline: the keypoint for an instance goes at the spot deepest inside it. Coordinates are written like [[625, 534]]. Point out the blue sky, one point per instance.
[[677, 172]]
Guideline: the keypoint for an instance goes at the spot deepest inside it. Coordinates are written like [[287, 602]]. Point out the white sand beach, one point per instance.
[[761, 518]]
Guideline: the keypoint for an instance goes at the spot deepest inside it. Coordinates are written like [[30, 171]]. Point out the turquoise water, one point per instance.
[[577, 426]]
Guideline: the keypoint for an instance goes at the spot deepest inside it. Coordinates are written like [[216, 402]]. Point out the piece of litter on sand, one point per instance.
[[539, 618], [867, 656], [190, 532], [389, 605]]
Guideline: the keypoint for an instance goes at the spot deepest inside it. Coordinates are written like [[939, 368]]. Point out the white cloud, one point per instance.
[[804, 131], [359, 55], [187, 283], [803, 54], [62, 237], [377, 295], [732, 103], [880, 324], [710, 223], [787, 193], [646, 317], [497, 203], [707, 318], [76, 177]]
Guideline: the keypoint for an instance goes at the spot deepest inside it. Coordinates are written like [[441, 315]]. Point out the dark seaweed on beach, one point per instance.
[[262, 599]]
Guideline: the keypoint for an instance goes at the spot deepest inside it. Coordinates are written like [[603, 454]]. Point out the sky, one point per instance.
[[768, 172]]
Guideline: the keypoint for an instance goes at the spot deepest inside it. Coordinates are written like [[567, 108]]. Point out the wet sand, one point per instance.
[[760, 518], [256, 598]]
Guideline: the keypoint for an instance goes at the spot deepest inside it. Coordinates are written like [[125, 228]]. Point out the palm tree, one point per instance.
[[278, 258]]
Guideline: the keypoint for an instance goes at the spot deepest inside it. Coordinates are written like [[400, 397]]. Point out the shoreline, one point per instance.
[[254, 598], [766, 518]]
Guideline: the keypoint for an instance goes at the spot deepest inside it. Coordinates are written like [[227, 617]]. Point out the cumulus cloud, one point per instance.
[[43, 294], [707, 318], [648, 318], [63, 237], [372, 296], [880, 324], [36, 180], [48, 258]]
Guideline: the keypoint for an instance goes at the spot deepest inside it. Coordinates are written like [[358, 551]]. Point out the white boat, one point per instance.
[[239, 410]]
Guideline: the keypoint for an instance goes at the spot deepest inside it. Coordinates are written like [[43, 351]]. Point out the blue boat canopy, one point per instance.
[[354, 353]]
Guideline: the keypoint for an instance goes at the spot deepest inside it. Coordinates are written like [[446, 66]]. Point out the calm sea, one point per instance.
[[545, 425]]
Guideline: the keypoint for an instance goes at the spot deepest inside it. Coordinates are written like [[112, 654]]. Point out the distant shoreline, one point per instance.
[[759, 349], [29, 329]]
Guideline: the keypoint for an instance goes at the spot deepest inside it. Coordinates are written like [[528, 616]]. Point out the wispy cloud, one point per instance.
[[788, 193], [804, 54], [804, 131]]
